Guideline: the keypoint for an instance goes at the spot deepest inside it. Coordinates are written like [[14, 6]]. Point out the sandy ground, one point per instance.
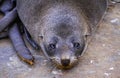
[[101, 60]]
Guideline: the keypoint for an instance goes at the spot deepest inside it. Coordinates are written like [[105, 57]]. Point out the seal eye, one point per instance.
[[51, 49], [52, 46], [76, 45]]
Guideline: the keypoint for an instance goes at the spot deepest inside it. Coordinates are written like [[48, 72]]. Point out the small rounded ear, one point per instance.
[[93, 11], [41, 37]]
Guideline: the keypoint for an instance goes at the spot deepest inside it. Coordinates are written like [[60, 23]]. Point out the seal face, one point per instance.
[[63, 36], [65, 46]]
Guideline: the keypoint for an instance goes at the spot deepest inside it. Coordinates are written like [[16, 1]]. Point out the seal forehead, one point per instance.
[[63, 30]]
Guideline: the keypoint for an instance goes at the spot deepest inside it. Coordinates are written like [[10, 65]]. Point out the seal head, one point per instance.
[[63, 36]]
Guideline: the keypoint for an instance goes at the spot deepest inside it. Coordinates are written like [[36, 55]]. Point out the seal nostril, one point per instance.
[[65, 62]]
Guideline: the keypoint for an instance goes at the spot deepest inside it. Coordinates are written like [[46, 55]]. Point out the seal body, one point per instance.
[[59, 26]]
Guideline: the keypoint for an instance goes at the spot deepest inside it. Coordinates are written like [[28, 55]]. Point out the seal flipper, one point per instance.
[[18, 43], [93, 11], [8, 19], [27, 35], [7, 7], [30, 40]]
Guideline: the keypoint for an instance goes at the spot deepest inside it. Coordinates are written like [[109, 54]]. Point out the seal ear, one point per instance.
[[93, 11]]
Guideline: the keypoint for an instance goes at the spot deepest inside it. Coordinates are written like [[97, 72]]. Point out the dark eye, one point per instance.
[[52, 46], [76, 45]]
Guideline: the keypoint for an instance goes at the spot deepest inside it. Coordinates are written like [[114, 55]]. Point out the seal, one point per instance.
[[61, 28]]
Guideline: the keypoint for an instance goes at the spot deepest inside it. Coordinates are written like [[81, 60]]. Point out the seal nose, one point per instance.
[[65, 62]]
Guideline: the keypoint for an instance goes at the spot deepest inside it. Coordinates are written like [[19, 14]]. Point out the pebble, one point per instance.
[[57, 72], [115, 21], [103, 45], [112, 68], [91, 61], [107, 74]]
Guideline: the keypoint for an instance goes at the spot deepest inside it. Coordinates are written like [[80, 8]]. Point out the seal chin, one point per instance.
[[65, 67], [58, 62]]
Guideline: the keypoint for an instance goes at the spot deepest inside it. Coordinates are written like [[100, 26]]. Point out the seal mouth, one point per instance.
[[58, 63]]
